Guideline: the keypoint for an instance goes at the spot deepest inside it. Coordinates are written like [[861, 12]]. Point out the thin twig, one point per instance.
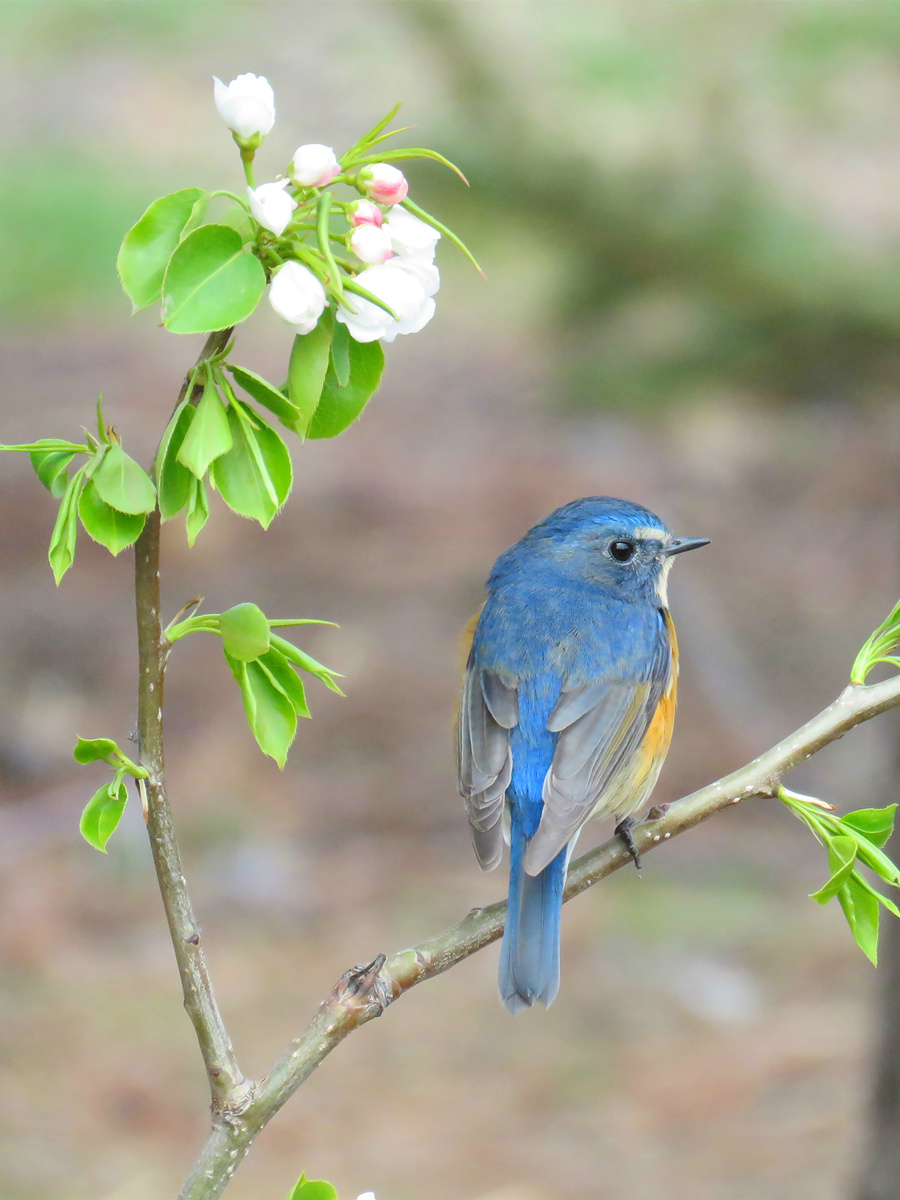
[[229, 1090], [364, 992]]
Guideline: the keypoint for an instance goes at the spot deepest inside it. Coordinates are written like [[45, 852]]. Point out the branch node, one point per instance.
[[363, 991]]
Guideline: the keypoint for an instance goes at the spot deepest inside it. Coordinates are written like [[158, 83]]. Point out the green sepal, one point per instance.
[[255, 476], [174, 483], [122, 483], [197, 510], [312, 1189], [111, 528], [209, 436], [245, 632], [267, 395], [212, 282], [65, 530], [338, 406], [307, 369], [149, 244], [52, 469], [103, 812]]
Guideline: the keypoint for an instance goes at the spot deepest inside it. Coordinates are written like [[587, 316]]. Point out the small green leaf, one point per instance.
[[306, 662], [103, 813], [265, 394], [123, 484], [340, 406], [861, 910], [237, 218], [46, 445], [88, 750], [197, 510], [312, 1189], [255, 476], [175, 483], [411, 152], [285, 677], [113, 529], [149, 244], [841, 858], [340, 354], [52, 469], [208, 437], [245, 632], [308, 366], [875, 824], [65, 530], [211, 282], [270, 714]]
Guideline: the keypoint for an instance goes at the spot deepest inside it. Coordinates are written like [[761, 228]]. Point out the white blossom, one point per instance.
[[298, 296], [384, 183], [313, 165], [371, 244], [410, 237], [246, 105], [397, 287], [271, 206], [366, 1196]]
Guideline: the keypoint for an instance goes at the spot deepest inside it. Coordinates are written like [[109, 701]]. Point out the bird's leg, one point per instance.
[[623, 830]]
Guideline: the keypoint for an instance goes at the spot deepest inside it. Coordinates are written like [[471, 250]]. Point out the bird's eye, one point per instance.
[[621, 551]]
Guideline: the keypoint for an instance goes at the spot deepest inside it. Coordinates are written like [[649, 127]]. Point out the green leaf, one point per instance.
[[65, 530], [245, 632], [149, 244], [113, 529], [123, 484], [312, 1189], [841, 859], [340, 353], [306, 662], [255, 476], [308, 367], [103, 813], [867, 852], [435, 224], [175, 483], [88, 750], [211, 282], [875, 824], [51, 468], [270, 714], [197, 510], [209, 436], [47, 444], [861, 910], [265, 394], [410, 152], [286, 678], [340, 406], [237, 218]]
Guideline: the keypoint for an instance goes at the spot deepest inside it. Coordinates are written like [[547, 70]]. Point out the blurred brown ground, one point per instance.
[[710, 1038]]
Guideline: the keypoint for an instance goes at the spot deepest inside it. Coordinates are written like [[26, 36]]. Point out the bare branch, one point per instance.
[[364, 992]]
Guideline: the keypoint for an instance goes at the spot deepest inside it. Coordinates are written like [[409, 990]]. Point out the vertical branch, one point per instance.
[[229, 1090]]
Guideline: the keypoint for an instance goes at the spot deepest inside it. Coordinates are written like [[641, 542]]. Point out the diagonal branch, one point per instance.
[[364, 992]]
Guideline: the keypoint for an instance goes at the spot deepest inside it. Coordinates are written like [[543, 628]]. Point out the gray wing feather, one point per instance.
[[488, 709]]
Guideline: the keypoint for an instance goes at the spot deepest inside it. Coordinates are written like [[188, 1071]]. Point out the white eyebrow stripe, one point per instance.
[[651, 533]]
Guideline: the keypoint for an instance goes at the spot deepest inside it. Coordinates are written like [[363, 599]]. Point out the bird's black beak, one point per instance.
[[680, 545]]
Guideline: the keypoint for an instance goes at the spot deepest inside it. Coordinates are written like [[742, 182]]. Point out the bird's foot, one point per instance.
[[623, 831]]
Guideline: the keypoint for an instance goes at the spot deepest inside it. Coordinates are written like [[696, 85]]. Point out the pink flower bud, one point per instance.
[[384, 183], [313, 165], [364, 212], [371, 244]]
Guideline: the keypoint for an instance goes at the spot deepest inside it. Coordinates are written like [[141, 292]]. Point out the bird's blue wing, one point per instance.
[[488, 709], [602, 725]]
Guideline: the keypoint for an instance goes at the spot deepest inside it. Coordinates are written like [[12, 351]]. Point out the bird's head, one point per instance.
[[614, 542]]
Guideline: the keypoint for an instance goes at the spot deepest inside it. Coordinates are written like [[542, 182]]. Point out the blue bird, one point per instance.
[[566, 709]]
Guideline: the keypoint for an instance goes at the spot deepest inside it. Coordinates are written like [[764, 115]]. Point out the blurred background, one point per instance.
[[689, 217]]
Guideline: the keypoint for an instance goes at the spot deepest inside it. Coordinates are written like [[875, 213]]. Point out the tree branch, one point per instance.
[[364, 992], [228, 1087]]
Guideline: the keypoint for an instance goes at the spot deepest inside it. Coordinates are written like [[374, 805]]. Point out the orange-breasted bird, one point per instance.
[[566, 709]]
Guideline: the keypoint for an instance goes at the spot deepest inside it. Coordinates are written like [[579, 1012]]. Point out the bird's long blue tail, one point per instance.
[[529, 954]]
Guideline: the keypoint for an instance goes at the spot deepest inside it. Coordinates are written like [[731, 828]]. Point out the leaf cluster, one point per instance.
[[103, 811], [856, 838], [878, 647]]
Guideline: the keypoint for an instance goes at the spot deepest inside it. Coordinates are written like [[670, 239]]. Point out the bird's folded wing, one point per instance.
[[488, 709], [601, 728]]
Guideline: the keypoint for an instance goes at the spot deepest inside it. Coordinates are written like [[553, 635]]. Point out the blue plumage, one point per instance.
[[566, 708]]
